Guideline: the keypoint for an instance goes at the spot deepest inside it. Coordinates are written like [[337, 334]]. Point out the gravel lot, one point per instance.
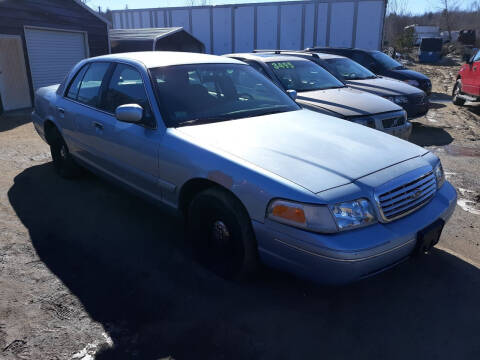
[[89, 271]]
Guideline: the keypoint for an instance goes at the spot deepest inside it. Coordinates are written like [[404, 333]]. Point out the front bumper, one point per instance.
[[416, 110], [403, 131], [351, 255]]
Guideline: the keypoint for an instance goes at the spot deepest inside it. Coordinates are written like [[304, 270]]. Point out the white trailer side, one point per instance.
[[276, 25]]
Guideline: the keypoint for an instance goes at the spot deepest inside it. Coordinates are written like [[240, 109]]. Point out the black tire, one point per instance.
[[457, 89], [221, 235], [63, 162]]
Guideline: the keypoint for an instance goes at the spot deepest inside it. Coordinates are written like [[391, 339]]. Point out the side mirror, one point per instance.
[[292, 94], [130, 113]]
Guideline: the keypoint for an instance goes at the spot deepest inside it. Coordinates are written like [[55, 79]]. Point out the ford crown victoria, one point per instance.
[[258, 178]]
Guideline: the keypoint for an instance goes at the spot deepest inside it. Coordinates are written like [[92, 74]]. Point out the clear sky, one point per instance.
[[414, 6]]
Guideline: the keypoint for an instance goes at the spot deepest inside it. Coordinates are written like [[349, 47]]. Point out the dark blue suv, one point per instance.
[[381, 64]]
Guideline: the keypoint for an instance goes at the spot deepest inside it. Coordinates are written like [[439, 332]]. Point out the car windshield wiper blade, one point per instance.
[[205, 120]]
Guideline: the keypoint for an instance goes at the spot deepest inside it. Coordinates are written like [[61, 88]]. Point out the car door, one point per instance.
[[81, 112], [131, 150]]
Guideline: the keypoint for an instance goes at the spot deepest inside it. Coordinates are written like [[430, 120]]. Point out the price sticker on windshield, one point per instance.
[[283, 65]]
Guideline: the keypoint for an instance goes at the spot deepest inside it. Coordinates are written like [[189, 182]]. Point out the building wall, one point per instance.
[[55, 14]]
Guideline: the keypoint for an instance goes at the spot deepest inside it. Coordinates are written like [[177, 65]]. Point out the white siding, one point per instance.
[[52, 54], [267, 17], [181, 18], [322, 22], [341, 25], [222, 30], [370, 18], [291, 27], [244, 26], [201, 26]]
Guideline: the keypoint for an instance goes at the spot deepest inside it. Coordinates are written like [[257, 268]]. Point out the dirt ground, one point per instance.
[[89, 271]]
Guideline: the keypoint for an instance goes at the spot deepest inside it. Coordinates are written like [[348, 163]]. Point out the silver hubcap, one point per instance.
[[63, 152], [220, 232]]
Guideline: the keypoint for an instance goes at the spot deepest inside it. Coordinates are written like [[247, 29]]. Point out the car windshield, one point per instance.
[[386, 61], [348, 69], [304, 76], [203, 93]]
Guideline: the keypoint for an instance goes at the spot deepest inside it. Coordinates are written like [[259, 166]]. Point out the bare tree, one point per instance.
[[447, 7], [397, 7], [198, 2]]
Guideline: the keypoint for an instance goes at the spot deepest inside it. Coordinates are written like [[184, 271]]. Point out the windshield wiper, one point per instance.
[[205, 120]]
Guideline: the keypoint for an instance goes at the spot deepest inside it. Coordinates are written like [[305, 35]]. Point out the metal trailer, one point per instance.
[[274, 25]]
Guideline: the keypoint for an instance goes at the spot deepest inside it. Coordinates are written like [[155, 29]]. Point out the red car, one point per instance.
[[467, 87]]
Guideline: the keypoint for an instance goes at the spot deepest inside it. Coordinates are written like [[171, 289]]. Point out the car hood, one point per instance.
[[383, 86], [346, 102], [313, 150], [406, 74]]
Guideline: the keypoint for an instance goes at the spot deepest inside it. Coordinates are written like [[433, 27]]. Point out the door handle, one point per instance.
[[98, 125], [474, 68], [61, 111]]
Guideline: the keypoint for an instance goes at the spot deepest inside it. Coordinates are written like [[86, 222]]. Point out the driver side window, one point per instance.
[[126, 87]]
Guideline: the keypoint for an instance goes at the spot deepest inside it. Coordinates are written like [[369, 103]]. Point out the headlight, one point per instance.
[[439, 174], [322, 218], [366, 121], [309, 217], [412, 82], [398, 99], [352, 214]]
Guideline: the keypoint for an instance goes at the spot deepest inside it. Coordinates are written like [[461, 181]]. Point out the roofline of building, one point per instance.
[[93, 12]]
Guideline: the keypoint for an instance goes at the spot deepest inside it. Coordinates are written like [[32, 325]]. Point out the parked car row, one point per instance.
[[259, 177]]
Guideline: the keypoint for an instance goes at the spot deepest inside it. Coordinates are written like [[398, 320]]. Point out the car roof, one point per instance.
[[340, 48], [325, 56], [266, 57], [153, 59]]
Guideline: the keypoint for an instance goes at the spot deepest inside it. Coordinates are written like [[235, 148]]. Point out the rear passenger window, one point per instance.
[[90, 88], [75, 83], [126, 87], [362, 59]]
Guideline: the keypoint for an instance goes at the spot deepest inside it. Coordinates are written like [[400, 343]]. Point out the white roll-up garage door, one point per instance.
[[52, 54]]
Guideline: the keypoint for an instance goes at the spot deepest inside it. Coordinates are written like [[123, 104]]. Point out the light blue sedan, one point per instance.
[[258, 178]]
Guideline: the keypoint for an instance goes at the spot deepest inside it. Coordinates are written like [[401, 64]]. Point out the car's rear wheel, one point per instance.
[[457, 90], [63, 162], [221, 234]]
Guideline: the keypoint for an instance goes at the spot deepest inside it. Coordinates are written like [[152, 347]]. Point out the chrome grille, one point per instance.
[[408, 197], [393, 122]]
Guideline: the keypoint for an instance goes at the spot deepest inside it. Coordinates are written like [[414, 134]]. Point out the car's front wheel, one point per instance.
[[457, 90], [221, 234], [63, 162]]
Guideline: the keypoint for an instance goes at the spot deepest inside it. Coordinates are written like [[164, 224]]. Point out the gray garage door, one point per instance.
[[52, 54]]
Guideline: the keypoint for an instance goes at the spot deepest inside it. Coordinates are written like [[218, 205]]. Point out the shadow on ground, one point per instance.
[[126, 261], [12, 119], [424, 135], [441, 97]]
